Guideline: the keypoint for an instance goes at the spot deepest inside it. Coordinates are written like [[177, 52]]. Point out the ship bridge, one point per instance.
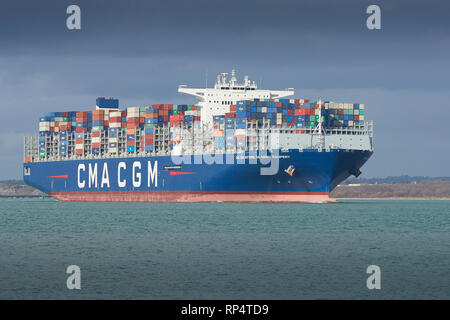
[[217, 100]]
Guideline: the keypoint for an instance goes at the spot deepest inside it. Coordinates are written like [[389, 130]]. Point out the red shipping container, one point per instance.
[[79, 151], [96, 134], [340, 111], [130, 143], [355, 117], [148, 139], [233, 107], [95, 145], [141, 120], [81, 130], [106, 123], [133, 120], [79, 140], [289, 112], [230, 115]]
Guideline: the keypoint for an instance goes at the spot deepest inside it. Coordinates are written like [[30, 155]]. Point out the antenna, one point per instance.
[[319, 128]]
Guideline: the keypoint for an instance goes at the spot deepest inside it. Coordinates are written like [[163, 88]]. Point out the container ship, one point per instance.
[[238, 143]]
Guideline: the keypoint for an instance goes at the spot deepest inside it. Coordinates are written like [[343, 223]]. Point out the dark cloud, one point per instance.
[[140, 51]]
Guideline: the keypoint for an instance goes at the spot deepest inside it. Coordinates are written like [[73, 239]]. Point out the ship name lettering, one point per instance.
[[105, 175], [121, 183], [81, 167], [136, 175], [92, 175], [152, 174]]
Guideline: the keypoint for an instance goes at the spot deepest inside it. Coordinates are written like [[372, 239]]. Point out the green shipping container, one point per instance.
[[311, 124], [361, 112], [189, 108], [42, 154], [174, 112]]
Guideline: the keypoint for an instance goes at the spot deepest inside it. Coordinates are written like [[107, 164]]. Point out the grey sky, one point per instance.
[[139, 51]]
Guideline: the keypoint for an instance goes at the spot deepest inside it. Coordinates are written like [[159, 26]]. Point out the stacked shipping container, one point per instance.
[[100, 131]]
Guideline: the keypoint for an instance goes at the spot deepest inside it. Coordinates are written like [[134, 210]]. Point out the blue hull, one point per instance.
[[158, 178]]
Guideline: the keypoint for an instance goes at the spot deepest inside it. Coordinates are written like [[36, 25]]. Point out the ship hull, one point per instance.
[[236, 178]]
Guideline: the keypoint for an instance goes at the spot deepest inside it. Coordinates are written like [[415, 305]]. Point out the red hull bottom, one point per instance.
[[192, 196]]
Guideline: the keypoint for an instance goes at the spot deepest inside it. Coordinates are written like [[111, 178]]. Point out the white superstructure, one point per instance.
[[217, 100]]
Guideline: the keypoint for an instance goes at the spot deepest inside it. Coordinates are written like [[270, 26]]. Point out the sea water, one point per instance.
[[224, 250]]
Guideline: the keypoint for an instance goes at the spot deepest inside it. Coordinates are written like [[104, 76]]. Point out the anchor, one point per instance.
[[290, 170]]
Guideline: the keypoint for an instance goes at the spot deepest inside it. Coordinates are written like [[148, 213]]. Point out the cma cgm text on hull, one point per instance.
[[253, 146]]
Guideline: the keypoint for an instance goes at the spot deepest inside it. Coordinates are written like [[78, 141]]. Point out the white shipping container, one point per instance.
[[115, 114], [79, 146], [361, 106]]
